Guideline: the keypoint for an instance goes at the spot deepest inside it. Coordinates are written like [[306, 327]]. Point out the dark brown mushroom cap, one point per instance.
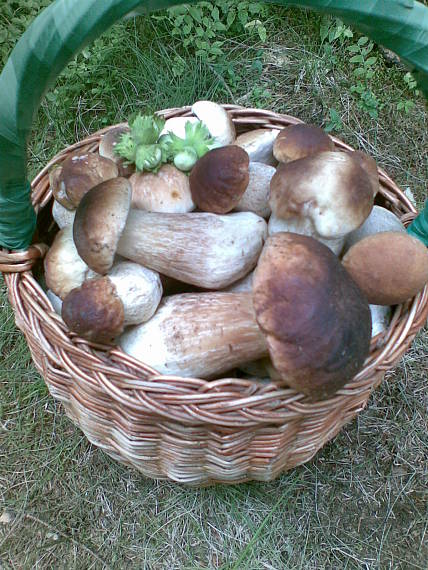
[[368, 164], [106, 149], [94, 311], [219, 179], [316, 320], [298, 141], [81, 172], [329, 188], [58, 188], [389, 267], [100, 220]]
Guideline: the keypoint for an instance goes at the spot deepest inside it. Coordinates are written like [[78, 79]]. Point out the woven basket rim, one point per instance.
[[228, 402]]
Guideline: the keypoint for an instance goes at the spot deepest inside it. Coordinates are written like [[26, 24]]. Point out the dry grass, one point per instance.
[[360, 504]]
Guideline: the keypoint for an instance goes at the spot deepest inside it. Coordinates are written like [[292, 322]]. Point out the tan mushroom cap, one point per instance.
[[219, 179], [368, 164], [259, 145], [94, 311], [167, 191], [81, 172], [329, 189], [298, 141], [389, 267], [99, 222], [316, 321]]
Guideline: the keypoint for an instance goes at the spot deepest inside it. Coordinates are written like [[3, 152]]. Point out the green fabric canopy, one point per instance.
[[66, 26]]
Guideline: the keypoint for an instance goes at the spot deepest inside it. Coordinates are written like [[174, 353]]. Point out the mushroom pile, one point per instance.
[[202, 253]]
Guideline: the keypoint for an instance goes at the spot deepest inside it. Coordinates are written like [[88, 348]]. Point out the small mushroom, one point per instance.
[[389, 267], [326, 195], [298, 141], [305, 312], [64, 268], [62, 216], [379, 220], [219, 179], [258, 144], [101, 307], [202, 249], [106, 149], [79, 173], [166, 191], [256, 196], [217, 120]]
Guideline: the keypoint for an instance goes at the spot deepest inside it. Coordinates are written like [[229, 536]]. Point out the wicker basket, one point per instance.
[[185, 429]]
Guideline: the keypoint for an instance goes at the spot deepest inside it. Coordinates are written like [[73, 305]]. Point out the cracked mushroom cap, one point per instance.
[[219, 179], [79, 173], [316, 321], [94, 310], [100, 220], [389, 267], [329, 190], [298, 141]]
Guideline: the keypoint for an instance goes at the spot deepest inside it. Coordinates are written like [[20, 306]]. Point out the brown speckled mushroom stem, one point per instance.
[[315, 322], [202, 249]]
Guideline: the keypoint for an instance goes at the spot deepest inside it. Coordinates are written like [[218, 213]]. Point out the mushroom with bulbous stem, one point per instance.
[[101, 307], [202, 249], [305, 312]]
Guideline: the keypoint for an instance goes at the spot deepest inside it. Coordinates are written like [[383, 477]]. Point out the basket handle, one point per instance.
[[66, 26]]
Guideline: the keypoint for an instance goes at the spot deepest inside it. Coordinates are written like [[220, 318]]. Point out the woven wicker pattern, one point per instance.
[[193, 431]]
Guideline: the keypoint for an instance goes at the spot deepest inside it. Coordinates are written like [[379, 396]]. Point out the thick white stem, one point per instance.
[[198, 335], [202, 249]]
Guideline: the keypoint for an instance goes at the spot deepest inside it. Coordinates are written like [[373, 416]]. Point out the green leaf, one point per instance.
[[371, 60], [354, 48], [357, 59], [362, 41]]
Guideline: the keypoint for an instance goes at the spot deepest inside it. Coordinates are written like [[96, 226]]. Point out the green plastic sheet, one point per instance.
[[66, 26]]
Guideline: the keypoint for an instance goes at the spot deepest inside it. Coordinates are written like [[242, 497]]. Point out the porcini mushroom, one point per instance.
[[368, 164], [326, 196], [217, 120], [305, 312], [258, 144], [298, 141], [177, 126], [166, 191], [202, 249], [62, 216], [256, 196], [219, 179], [101, 307], [389, 267], [77, 174], [108, 141]]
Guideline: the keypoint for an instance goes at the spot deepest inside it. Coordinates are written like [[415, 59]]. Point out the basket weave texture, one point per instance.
[[189, 430]]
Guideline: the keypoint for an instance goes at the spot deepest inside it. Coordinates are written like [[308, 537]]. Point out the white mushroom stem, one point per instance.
[[244, 285], [202, 249], [256, 196], [381, 317], [304, 227], [176, 125], [259, 145], [217, 120], [197, 335], [139, 289], [62, 216]]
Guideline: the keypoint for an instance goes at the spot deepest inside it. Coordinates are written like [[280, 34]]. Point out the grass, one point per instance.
[[361, 502]]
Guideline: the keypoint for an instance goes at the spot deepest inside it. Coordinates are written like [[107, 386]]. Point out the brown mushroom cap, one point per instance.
[[389, 267], [99, 222], [81, 172], [368, 164], [329, 189], [316, 321], [106, 149], [219, 179], [94, 311], [298, 141]]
